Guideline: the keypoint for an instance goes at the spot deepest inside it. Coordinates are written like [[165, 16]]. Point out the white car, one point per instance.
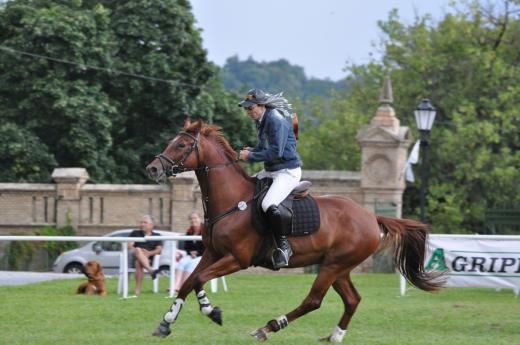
[[108, 254]]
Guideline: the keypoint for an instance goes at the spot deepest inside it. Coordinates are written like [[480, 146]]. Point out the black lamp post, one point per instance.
[[424, 116]]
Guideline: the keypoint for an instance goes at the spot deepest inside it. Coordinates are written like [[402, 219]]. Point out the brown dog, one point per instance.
[[96, 280]]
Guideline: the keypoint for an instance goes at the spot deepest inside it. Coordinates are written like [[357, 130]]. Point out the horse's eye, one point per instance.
[[182, 145]]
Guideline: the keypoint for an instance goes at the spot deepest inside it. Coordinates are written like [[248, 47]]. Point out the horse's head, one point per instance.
[[181, 154]]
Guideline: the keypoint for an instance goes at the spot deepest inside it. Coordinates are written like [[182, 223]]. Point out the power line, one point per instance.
[[103, 69]]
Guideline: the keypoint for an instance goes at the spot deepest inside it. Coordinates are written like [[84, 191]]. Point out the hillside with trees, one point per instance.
[[276, 76]]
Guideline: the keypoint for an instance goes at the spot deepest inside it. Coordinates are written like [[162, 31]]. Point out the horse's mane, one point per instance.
[[215, 132]]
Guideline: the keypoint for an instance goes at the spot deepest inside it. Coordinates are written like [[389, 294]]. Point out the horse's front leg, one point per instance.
[[206, 270], [171, 315], [224, 266]]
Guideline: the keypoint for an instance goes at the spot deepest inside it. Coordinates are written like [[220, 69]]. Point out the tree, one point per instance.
[[328, 134], [105, 84], [26, 156], [156, 39], [467, 64], [58, 106]]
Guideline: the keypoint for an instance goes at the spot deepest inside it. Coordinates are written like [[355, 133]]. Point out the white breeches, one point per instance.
[[284, 182]]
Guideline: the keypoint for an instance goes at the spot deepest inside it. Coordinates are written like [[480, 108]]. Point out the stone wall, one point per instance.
[[95, 209]]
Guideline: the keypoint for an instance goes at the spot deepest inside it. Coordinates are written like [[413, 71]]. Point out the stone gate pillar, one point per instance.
[[384, 146], [68, 197]]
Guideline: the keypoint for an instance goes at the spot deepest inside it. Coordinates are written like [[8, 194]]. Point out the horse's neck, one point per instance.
[[224, 186]]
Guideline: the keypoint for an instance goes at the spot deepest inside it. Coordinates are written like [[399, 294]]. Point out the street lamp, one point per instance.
[[424, 116]]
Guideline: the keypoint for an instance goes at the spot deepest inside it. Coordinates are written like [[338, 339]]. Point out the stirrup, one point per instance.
[[280, 258]]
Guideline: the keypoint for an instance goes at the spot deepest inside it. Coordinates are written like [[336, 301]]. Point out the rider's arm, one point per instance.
[[277, 131]]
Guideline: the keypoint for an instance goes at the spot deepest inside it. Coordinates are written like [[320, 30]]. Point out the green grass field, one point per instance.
[[50, 313]]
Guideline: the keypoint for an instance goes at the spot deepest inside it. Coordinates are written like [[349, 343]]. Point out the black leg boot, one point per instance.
[[281, 254]]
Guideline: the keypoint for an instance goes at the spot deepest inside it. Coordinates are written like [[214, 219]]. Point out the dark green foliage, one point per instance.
[[138, 71], [39, 256], [467, 64], [54, 249], [331, 144], [20, 254], [58, 105], [24, 153]]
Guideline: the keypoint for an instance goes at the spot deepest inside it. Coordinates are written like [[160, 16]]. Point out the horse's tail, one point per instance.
[[408, 239]]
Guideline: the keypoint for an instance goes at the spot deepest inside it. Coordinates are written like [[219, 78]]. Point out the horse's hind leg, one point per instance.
[[351, 298], [321, 285]]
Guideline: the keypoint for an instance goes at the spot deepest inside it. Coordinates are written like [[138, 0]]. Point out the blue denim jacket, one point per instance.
[[276, 143]]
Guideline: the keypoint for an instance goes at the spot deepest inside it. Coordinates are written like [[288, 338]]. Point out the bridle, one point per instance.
[[178, 167]]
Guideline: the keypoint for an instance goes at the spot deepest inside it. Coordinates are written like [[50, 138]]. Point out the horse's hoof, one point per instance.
[[330, 339], [163, 330], [216, 316], [260, 334]]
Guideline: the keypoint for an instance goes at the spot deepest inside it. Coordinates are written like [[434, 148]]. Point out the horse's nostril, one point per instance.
[[152, 171]]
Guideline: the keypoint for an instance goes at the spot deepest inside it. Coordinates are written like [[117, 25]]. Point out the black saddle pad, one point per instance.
[[306, 215]]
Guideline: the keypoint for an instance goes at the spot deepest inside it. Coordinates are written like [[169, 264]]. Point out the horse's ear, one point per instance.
[[187, 123], [198, 125]]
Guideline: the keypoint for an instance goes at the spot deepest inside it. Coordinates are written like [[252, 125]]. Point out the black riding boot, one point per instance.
[[278, 225]]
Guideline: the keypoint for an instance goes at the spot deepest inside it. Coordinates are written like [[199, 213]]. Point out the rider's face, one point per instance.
[[255, 111]]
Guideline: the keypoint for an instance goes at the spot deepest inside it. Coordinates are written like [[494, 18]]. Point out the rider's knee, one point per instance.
[[266, 204]]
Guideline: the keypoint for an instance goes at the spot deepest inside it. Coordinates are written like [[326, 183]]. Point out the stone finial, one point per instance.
[[386, 96], [385, 115]]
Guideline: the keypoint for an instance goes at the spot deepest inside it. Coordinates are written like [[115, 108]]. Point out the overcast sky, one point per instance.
[[319, 35]]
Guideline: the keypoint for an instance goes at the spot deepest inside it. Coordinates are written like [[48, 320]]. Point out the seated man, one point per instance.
[[144, 251], [194, 250]]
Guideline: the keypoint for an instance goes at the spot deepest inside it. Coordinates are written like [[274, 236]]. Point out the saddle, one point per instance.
[[300, 211]]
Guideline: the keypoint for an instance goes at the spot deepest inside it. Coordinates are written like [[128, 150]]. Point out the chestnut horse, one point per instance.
[[348, 234]]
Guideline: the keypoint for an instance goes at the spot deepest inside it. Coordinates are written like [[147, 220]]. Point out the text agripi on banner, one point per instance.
[[476, 261]]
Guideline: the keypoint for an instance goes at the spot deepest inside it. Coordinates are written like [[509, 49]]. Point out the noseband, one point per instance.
[[178, 166]]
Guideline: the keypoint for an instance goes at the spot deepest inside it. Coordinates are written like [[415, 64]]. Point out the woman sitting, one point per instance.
[[194, 250]]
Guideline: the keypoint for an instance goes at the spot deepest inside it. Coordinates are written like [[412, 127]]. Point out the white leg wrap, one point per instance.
[[205, 306], [171, 316], [282, 321], [337, 335]]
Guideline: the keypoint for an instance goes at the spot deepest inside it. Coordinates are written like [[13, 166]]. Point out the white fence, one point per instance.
[[490, 261], [124, 253]]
